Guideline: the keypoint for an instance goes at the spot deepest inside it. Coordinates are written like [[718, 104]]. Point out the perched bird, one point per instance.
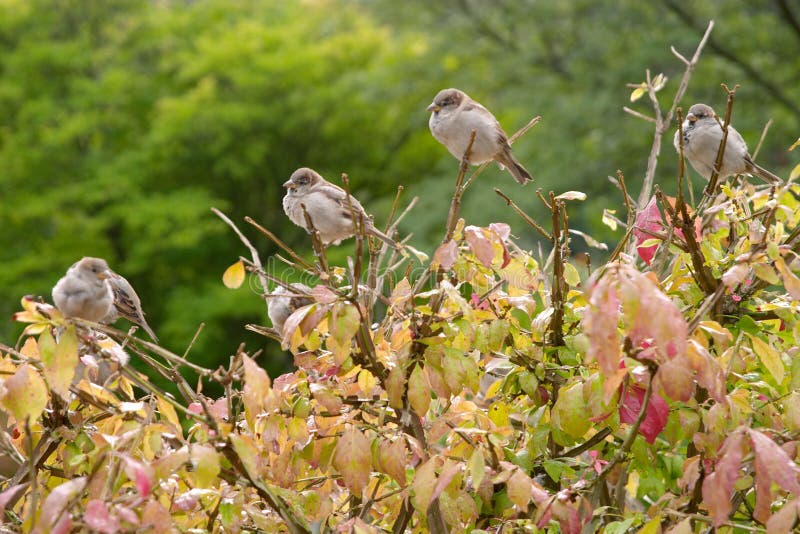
[[285, 302], [453, 117], [83, 291], [126, 303], [91, 290], [702, 136], [327, 206]]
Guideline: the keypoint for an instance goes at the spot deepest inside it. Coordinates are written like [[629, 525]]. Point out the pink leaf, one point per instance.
[[772, 465], [55, 515], [501, 229], [648, 219], [655, 417], [651, 315], [480, 245], [140, 474], [718, 486], [600, 326], [97, 517], [675, 377], [448, 472], [446, 255]]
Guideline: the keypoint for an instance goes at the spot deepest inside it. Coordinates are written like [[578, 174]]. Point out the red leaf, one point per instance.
[[718, 486], [655, 418]]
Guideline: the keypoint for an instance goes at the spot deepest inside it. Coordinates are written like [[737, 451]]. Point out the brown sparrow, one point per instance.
[[126, 303], [83, 291], [453, 117], [327, 206], [91, 290], [702, 135], [284, 302]]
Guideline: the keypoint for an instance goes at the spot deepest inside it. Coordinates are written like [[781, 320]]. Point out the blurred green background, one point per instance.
[[123, 121]]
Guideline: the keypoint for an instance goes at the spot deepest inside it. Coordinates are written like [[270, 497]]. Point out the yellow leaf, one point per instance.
[[233, 277], [795, 172], [60, 360], [769, 357], [790, 281], [205, 461], [638, 93], [168, 412], [25, 394], [571, 275]]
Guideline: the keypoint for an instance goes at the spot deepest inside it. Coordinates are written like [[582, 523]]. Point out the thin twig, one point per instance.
[[253, 252]]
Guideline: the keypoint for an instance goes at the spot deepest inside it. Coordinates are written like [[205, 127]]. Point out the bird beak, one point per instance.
[[434, 108], [691, 117], [103, 275], [289, 184]]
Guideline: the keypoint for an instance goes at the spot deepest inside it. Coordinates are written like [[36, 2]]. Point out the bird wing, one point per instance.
[[127, 302]]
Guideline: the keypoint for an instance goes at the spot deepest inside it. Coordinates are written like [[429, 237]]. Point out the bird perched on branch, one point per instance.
[[126, 304], [91, 290], [454, 115], [284, 302], [327, 205], [702, 135], [83, 292]]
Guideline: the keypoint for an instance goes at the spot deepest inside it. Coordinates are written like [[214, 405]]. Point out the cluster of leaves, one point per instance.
[[657, 403], [495, 390]]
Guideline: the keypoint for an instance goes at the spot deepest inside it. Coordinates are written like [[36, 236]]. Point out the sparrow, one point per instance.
[[91, 290], [284, 302], [453, 117], [327, 206], [126, 303], [83, 292], [702, 135]]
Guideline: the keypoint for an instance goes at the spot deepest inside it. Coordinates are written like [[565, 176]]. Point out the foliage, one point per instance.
[[508, 394], [122, 122], [487, 389]]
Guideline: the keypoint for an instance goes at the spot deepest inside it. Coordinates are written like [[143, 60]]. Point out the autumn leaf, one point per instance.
[[570, 413], [718, 486], [206, 463], [98, 519], [480, 245], [393, 458], [256, 385], [60, 360], [600, 324], [419, 391], [423, 484], [353, 459], [446, 255], [55, 515], [24, 394], [520, 488], [233, 277], [655, 416], [647, 220], [772, 465]]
